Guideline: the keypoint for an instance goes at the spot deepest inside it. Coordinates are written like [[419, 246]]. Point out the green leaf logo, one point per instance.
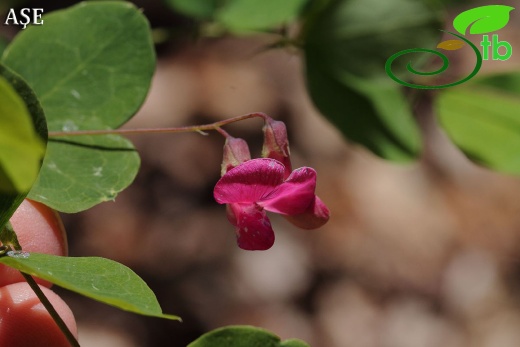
[[483, 19]]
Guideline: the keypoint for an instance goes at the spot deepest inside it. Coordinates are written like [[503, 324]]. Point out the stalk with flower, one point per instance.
[[250, 187]]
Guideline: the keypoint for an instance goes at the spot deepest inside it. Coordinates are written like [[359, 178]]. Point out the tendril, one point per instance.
[[445, 64]]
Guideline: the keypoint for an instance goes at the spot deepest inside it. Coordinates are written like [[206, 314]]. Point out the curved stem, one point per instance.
[[193, 128], [47, 304]]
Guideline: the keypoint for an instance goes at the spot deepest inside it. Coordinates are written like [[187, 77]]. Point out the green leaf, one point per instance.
[[346, 47], [243, 336], [23, 135], [374, 115], [21, 148], [3, 44], [482, 119], [101, 279], [483, 19], [246, 15], [293, 343], [199, 9], [80, 172], [91, 66], [358, 36]]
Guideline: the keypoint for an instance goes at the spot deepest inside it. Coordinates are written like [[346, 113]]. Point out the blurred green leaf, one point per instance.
[[482, 119], [375, 115], [100, 279], [246, 15], [346, 47], [243, 336], [23, 135], [483, 19], [199, 9], [3, 44], [21, 148], [504, 83], [358, 36], [91, 66], [293, 343]]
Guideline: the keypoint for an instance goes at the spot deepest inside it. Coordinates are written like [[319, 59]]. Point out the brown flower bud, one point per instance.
[[276, 144]]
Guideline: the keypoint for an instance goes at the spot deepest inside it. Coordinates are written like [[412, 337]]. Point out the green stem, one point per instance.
[[47, 304], [193, 128]]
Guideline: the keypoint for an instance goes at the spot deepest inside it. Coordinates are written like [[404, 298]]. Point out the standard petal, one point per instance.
[[249, 182], [316, 215], [294, 195], [253, 228]]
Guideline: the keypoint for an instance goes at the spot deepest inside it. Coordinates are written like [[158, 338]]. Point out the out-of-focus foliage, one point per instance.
[[3, 44], [23, 134], [199, 9], [346, 46], [482, 119], [240, 16]]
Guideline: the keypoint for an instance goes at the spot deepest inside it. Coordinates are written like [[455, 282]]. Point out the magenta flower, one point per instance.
[[257, 185]]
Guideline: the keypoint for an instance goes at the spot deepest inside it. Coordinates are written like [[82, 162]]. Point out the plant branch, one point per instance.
[[192, 128], [47, 304]]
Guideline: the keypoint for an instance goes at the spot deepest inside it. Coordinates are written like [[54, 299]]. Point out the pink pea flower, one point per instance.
[[259, 185]]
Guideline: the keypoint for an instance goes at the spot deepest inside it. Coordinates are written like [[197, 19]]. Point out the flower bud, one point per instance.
[[236, 151], [276, 144]]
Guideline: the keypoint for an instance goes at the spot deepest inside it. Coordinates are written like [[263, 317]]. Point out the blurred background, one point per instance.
[[416, 255]]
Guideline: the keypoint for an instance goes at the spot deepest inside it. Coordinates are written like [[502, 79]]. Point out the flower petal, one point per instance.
[[249, 182], [294, 195], [253, 228], [316, 215]]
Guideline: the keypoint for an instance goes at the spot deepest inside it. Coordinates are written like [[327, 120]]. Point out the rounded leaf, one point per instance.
[[80, 172], [91, 67], [243, 336]]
